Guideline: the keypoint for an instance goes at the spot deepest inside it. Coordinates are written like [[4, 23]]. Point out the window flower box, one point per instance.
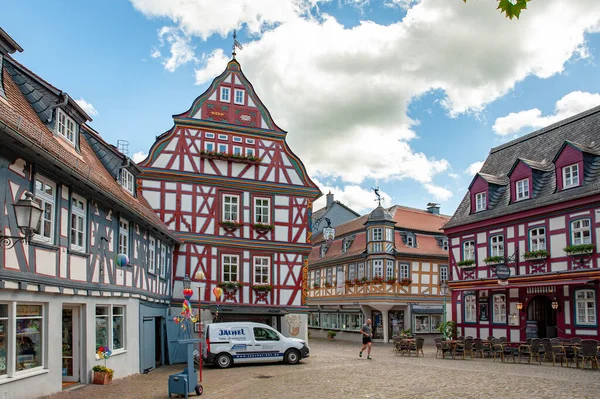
[[230, 285], [230, 226], [377, 280], [536, 255], [262, 288], [581, 249], [316, 285], [494, 260], [350, 282], [390, 280], [222, 156], [361, 280], [328, 284], [466, 264], [263, 228], [405, 281]]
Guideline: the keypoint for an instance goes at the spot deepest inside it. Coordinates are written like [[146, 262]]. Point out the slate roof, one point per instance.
[[540, 148], [18, 114], [318, 214], [380, 214]]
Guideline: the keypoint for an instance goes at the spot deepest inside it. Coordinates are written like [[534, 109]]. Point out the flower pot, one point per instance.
[[102, 378]]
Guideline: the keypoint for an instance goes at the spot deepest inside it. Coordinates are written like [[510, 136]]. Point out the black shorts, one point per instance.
[[366, 339]]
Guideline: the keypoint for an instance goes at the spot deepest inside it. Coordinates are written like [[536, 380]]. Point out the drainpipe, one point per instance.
[[56, 105]]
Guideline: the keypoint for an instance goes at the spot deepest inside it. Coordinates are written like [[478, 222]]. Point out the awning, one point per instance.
[[522, 285], [427, 311]]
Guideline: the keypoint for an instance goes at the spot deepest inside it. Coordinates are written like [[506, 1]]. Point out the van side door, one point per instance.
[[267, 345]]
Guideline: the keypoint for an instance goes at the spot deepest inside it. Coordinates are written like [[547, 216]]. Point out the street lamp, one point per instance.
[[29, 214], [199, 276], [444, 292], [554, 304]]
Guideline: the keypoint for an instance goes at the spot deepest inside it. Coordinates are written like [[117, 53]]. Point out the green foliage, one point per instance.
[[331, 334], [230, 284], [579, 249], [542, 253], [449, 327], [261, 226], [104, 369], [494, 259], [264, 288], [228, 157], [466, 263], [230, 225], [512, 8]]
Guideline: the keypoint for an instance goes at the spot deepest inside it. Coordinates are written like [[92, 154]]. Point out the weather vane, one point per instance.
[[235, 44], [376, 190]]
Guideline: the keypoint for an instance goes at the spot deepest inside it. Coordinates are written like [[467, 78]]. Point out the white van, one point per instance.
[[245, 342]]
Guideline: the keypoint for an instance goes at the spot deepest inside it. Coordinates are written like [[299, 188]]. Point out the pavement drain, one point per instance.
[[264, 376]]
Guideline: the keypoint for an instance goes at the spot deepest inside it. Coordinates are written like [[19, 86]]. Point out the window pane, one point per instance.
[[118, 329], [29, 343]]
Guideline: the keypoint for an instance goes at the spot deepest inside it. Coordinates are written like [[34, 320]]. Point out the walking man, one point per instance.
[[367, 338]]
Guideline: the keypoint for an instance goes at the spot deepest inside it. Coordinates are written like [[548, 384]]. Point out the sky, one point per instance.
[[405, 95]]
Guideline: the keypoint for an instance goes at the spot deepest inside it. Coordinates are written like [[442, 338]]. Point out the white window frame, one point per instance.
[[377, 268], [209, 135], [586, 304], [237, 150], [44, 199], [151, 255], [235, 98], [469, 250], [127, 180], [410, 241], [110, 326], [234, 211], [123, 247], [225, 95], [262, 270], [497, 245], [570, 175], [227, 264], [443, 273], [389, 234], [237, 139], [163, 260], [403, 270], [581, 232], [470, 306], [250, 152], [499, 309], [537, 239], [522, 189], [222, 137], [223, 148], [351, 271], [209, 146], [360, 271], [262, 210], [65, 126], [78, 222], [377, 234], [250, 141], [480, 201], [329, 275], [389, 269]]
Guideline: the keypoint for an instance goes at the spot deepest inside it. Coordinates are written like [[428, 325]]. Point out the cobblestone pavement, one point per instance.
[[334, 370]]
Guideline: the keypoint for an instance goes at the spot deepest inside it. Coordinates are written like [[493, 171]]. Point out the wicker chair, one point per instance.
[[588, 353], [503, 339], [416, 346], [558, 352], [497, 349], [575, 340], [480, 348], [491, 337], [441, 347], [547, 349], [531, 350], [464, 348]]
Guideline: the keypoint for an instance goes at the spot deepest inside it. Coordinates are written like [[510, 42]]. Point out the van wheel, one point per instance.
[[223, 361], [292, 356]]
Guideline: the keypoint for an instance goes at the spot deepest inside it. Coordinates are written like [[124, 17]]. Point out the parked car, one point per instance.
[[245, 342]]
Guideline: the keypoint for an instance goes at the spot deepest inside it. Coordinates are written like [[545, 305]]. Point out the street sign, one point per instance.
[[502, 272]]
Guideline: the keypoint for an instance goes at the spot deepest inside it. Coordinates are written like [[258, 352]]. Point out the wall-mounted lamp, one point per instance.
[[29, 215], [520, 305], [554, 304]]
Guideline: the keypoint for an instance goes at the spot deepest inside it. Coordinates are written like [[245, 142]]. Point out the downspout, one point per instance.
[[56, 105]]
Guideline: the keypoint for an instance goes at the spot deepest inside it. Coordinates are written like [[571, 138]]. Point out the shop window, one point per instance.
[[537, 239], [45, 194], [3, 338], [78, 222], [585, 307], [499, 309], [581, 232], [110, 327], [470, 304], [230, 268]]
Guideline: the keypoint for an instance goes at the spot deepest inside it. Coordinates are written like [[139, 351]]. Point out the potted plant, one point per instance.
[[449, 327], [230, 285], [405, 333], [467, 263], [230, 225], [262, 288], [533, 255], [493, 260], [363, 280], [102, 374], [261, 227], [581, 249], [331, 335]]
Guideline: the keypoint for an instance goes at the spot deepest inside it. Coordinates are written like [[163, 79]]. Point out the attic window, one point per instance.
[[570, 176], [480, 202], [410, 241], [239, 97], [522, 189], [127, 180], [65, 127], [225, 94]]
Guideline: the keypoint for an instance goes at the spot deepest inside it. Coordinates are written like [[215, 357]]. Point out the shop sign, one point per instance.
[[502, 272]]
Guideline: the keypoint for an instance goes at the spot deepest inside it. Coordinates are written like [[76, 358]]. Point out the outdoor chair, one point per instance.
[[558, 352], [468, 337], [464, 348], [417, 346], [503, 339], [403, 347], [460, 338], [531, 350], [547, 349], [441, 347], [497, 349], [575, 340], [491, 337], [588, 353], [480, 348]]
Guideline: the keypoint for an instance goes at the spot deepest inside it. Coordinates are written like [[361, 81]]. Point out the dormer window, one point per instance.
[[65, 126], [410, 241], [522, 189], [480, 201], [239, 97], [225, 94], [127, 180], [570, 176], [445, 244]]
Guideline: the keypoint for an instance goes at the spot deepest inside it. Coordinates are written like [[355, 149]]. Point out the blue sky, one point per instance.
[[400, 93]]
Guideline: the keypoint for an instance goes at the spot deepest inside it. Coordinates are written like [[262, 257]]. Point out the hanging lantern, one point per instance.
[[218, 291], [122, 260]]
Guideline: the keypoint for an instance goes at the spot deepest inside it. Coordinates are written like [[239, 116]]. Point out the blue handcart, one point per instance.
[[187, 381]]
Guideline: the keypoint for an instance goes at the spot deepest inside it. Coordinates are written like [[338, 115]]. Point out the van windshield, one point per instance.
[[264, 334]]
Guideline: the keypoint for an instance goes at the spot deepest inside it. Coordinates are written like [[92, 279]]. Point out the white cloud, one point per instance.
[[353, 196], [87, 107], [571, 104], [404, 4], [474, 168], [343, 93], [454, 175], [439, 193], [155, 53], [139, 156], [181, 49]]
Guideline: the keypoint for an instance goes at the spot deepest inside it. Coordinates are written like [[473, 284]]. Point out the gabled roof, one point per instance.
[[8, 44], [491, 179], [541, 166], [321, 212], [539, 146], [583, 148]]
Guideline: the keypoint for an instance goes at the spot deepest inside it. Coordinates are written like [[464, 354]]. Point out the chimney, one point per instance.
[[329, 200], [433, 208]]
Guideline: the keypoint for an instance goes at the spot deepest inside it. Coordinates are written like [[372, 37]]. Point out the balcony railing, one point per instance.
[[360, 289]]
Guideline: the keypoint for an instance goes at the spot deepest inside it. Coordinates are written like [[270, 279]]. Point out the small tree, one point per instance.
[[450, 328]]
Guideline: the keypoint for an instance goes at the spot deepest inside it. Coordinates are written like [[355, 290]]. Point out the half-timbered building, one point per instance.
[[224, 178], [534, 207], [97, 270], [386, 266]]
